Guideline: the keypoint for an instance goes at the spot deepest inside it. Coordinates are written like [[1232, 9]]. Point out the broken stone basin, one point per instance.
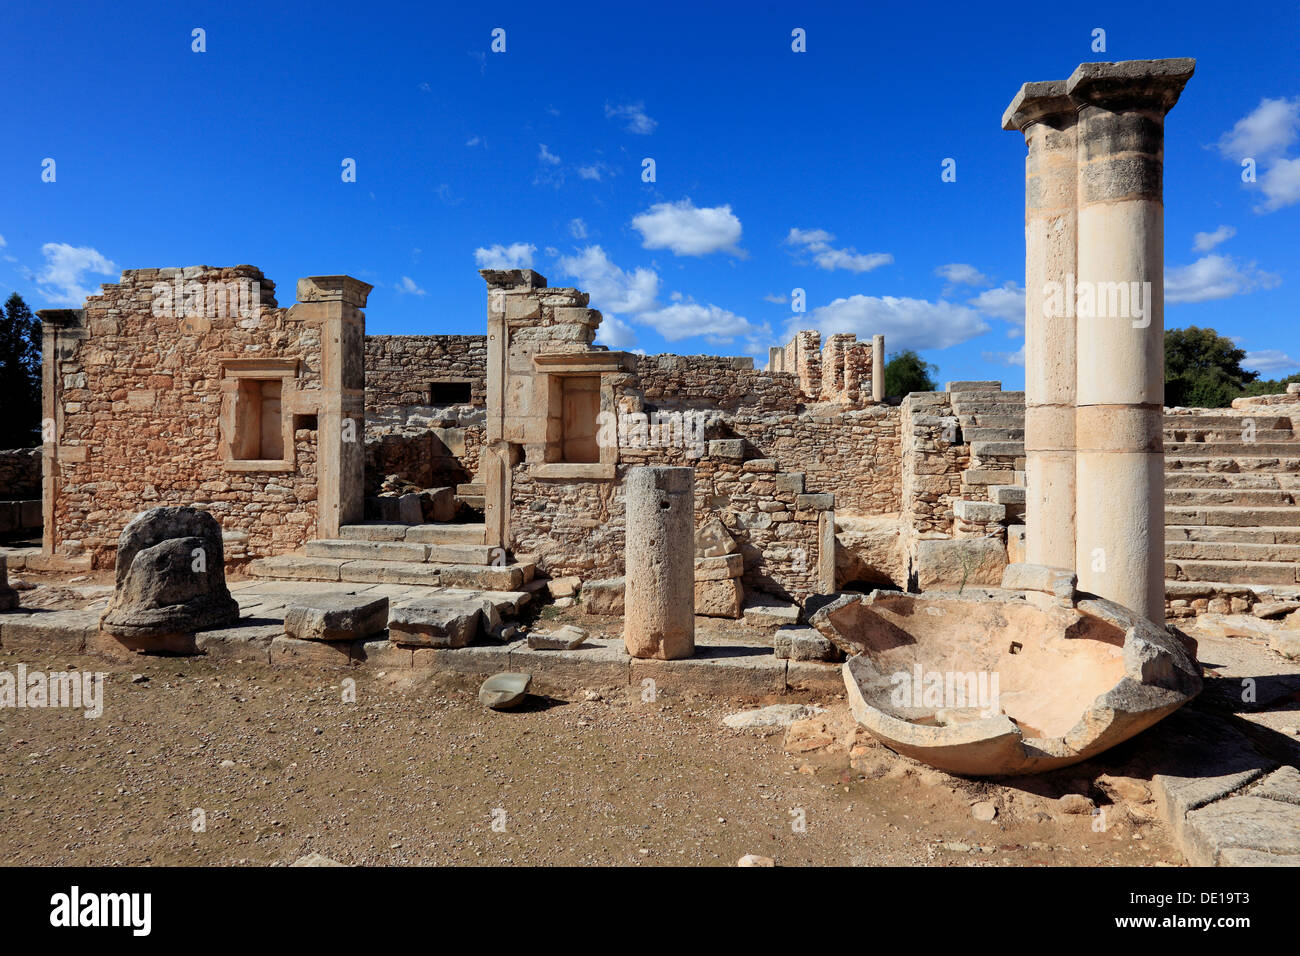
[[992, 681]]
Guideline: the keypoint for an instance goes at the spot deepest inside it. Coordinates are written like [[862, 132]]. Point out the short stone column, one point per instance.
[[877, 368], [1120, 304], [1046, 116], [659, 597]]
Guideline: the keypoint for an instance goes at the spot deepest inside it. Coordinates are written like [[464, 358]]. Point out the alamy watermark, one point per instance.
[[1098, 300], [179, 299], [947, 689], [654, 430], [78, 690]]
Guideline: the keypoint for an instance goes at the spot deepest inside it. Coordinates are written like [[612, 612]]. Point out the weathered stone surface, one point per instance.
[[1242, 823], [1058, 582], [953, 563], [659, 597], [503, 691], [603, 597], [720, 568], [769, 613], [171, 576], [335, 617], [431, 622], [564, 587], [803, 644], [719, 598], [566, 638], [8, 596], [770, 719], [713, 540], [870, 550]]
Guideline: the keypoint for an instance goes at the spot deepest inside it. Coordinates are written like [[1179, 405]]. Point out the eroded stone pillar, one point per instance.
[[1046, 116], [877, 368], [659, 597], [1120, 306]]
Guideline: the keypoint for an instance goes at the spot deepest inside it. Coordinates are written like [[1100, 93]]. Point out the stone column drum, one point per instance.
[[1046, 116], [659, 599], [877, 368], [1120, 391]]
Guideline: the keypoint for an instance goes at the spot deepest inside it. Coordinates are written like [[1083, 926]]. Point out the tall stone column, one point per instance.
[[659, 576], [1046, 116], [877, 368], [1120, 304]]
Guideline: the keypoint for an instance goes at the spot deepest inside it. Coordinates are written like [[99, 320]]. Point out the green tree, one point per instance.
[[908, 372], [1203, 369], [20, 375], [1270, 386]]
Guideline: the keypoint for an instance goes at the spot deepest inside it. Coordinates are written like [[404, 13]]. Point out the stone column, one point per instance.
[[1120, 305], [62, 331], [877, 368], [1046, 116], [659, 576]]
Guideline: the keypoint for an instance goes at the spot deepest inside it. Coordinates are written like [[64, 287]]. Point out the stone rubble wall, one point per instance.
[[20, 474], [930, 465], [140, 404]]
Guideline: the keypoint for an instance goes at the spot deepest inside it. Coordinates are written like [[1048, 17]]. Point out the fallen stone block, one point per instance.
[[721, 568], [713, 540], [1058, 582], [564, 587], [566, 638], [335, 617], [770, 719], [803, 644], [723, 598], [771, 614], [603, 597], [949, 564]]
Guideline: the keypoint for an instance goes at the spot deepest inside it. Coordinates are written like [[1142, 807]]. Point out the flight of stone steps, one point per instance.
[[992, 422], [436, 555], [1232, 486], [1232, 483]]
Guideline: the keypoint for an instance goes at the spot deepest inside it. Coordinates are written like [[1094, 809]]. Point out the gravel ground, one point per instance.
[[413, 772]]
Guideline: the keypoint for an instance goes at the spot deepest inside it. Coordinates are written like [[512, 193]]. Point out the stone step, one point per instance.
[[991, 420], [1007, 494], [1228, 496], [986, 408], [1228, 516], [1234, 572], [1228, 479], [986, 450], [987, 476], [985, 395], [472, 489], [983, 385], [979, 511], [298, 567], [1225, 421], [1231, 449], [981, 433], [1258, 534], [1233, 433], [1233, 464], [418, 533], [400, 551], [1231, 551]]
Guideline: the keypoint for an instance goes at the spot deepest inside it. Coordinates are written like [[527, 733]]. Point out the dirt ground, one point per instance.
[[275, 765]]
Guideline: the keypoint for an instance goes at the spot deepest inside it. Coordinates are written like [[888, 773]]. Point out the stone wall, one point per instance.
[[930, 464], [20, 474], [142, 397], [401, 368]]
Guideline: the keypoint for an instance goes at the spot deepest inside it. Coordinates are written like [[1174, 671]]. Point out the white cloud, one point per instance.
[[594, 171], [61, 281], [905, 323], [408, 286], [686, 319], [1214, 277], [1270, 360], [517, 255], [961, 273], [615, 333], [1281, 185], [817, 242], [1205, 241], [611, 289], [2, 242], [1006, 303], [688, 230], [1006, 358], [577, 229], [474, 141], [1267, 130], [776, 299], [546, 156], [634, 115]]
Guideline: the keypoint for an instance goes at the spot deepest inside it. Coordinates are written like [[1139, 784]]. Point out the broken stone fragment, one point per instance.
[[773, 718], [567, 638], [768, 613], [713, 540], [503, 691], [430, 622], [8, 596], [603, 597], [171, 576], [724, 598], [335, 617], [564, 587], [803, 644], [749, 859], [720, 568]]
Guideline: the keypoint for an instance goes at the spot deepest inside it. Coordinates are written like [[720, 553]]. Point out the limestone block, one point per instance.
[[719, 598], [713, 540], [659, 601], [803, 644], [720, 568], [335, 617], [603, 597], [8, 596], [953, 563], [430, 622]]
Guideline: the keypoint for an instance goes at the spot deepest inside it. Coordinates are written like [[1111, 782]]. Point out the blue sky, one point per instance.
[[774, 170]]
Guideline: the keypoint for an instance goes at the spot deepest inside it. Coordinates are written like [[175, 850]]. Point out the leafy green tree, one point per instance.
[[908, 372], [20, 375], [1203, 369], [1270, 386]]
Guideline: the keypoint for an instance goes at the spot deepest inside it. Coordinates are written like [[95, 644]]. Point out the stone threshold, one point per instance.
[[730, 670]]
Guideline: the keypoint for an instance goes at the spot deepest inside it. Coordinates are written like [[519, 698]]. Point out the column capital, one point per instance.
[[334, 289], [513, 280], [1043, 101], [1131, 84], [59, 317]]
